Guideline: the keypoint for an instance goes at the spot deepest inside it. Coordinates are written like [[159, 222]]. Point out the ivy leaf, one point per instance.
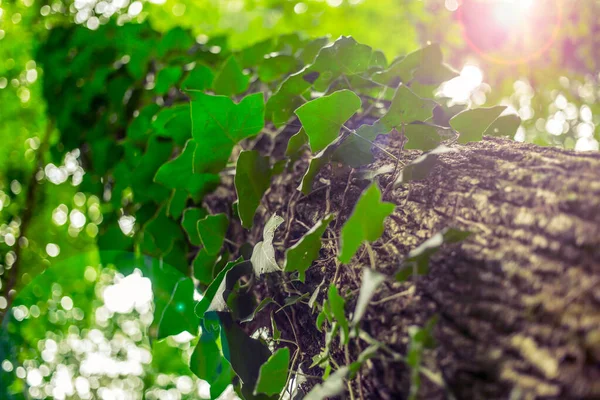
[[338, 304], [178, 315], [274, 68], [505, 125], [365, 355], [295, 146], [252, 179], [203, 266], [355, 151], [207, 359], [323, 117], [139, 128], [220, 301], [213, 289], [212, 230], [472, 124], [420, 339], [166, 79], [263, 255], [422, 136], [365, 223], [273, 374], [417, 261], [231, 80], [316, 163], [276, 332], [420, 167], [370, 282], [174, 122], [405, 108], [218, 124], [343, 57], [245, 354], [178, 174], [254, 55], [265, 302], [191, 216], [333, 386], [200, 78], [160, 234], [424, 65], [177, 203], [300, 256]]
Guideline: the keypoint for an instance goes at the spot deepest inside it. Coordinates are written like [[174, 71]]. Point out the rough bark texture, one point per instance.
[[519, 301]]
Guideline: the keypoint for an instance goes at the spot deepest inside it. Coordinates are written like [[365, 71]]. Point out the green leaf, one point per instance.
[[365, 355], [265, 302], [245, 354], [333, 386], [263, 255], [191, 216], [273, 374], [200, 78], [422, 136], [343, 57], [355, 151], [231, 80], [177, 203], [175, 39], [276, 332], [252, 179], [300, 256], [213, 289], [338, 305], [139, 128], [178, 174], [296, 145], [323, 117], [505, 125], [178, 315], [420, 338], [206, 360], [204, 265], [274, 68], [160, 234], [218, 124], [316, 163], [424, 65], [220, 300], [212, 230], [254, 55], [370, 282], [166, 79], [405, 108], [174, 122], [417, 261], [420, 167], [472, 124], [365, 223]]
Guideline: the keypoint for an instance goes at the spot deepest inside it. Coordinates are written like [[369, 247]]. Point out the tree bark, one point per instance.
[[518, 301]]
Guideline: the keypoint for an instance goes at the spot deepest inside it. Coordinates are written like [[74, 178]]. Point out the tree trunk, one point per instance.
[[518, 301]]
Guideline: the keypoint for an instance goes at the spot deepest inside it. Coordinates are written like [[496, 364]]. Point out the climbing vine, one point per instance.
[[163, 122]]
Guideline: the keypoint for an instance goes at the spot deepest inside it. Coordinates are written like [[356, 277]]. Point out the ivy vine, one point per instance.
[[163, 121]]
